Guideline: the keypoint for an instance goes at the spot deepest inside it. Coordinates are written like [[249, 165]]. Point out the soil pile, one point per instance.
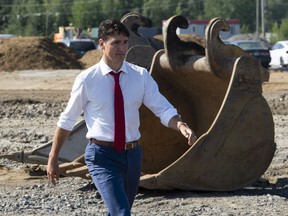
[[91, 58], [38, 53], [28, 53]]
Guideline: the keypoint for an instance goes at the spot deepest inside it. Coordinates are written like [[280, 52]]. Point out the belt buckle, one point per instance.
[[128, 146], [131, 145]]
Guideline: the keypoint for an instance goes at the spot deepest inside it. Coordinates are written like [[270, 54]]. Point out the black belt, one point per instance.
[[128, 145]]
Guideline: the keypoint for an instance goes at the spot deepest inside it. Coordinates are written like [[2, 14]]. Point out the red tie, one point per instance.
[[119, 130]]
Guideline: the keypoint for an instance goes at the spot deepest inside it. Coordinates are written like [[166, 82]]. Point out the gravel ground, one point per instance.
[[28, 118]]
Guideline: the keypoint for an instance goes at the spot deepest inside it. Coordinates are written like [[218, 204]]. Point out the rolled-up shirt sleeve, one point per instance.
[[156, 102], [74, 106]]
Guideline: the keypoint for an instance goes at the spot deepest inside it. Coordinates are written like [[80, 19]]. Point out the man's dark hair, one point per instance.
[[110, 27]]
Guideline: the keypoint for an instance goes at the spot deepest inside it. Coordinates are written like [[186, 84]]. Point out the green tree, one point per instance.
[[43, 17], [80, 13], [34, 18], [57, 13], [5, 9], [280, 31], [283, 29], [17, 18], [159, 10], [275, 33], [191, 9], [115, 8], [26, 18], [90, 13], [243, 10], [275, 11], [38, 18]]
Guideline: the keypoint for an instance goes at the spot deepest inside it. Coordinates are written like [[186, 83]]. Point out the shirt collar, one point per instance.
[[105, 69]]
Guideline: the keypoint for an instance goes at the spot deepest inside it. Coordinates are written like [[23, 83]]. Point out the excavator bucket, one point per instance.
[[73, 148], [220, 96], [217, 89]]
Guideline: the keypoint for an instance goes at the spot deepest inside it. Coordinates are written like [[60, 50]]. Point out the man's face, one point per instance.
[[114, 49]]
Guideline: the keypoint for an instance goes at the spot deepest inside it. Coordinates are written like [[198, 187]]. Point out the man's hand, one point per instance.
[[177, 124], [188, 133], [53, 170], [59, 138]]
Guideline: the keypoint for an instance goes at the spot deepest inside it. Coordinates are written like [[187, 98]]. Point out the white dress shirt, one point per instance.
[[92, 93]]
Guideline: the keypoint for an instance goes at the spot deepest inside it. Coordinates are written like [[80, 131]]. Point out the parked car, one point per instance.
[[279, 54], [255, 48], [4, 36], [80, 46]]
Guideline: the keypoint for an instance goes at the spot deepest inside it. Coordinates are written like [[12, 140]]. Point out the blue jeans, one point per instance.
[[116, 176]]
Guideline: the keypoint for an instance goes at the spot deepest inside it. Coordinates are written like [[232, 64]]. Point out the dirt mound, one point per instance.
[[91, 58], [28, 53]]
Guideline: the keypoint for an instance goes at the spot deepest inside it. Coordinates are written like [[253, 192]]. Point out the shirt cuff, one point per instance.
[[168, 115]]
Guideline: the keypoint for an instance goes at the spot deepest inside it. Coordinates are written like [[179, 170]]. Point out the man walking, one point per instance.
[[110, 94]]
